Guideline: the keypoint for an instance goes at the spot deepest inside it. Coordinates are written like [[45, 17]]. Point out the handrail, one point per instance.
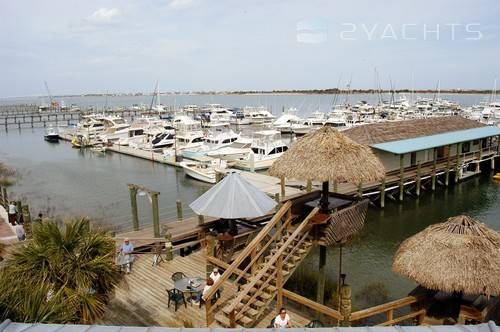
[[252, 262], [314, 305], [273, 260], [272, 275], [246, 252], [382, 308]]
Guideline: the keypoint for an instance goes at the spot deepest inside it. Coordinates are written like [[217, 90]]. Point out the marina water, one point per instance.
[[58, 180]]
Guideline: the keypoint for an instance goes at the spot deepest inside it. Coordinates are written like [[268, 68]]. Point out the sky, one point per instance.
[[98, 46]]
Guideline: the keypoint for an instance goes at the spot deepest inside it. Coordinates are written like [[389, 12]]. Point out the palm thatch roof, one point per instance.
[[399, 130], [327, 155], [460, 254]]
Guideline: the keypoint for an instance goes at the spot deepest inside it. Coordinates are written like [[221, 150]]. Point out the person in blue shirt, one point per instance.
[[127, 249]]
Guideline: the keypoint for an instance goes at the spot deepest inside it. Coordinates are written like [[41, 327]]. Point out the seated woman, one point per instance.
[[282, 320], [202, 294]]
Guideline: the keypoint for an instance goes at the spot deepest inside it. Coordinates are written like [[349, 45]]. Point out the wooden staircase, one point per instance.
[[274, 255]]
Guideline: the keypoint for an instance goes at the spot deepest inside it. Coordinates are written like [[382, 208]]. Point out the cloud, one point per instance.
[[104, 14], [182, 4]]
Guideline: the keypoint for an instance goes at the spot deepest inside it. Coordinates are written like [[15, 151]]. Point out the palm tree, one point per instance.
[[68, 272]]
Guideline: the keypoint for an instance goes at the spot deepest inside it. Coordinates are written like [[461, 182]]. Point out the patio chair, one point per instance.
[[176, 296], [271, 325], [177, 276], [315, 323]]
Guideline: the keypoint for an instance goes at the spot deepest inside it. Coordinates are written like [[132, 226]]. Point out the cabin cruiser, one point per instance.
[[218, 137], [51, 134], [116, 128], [257, 115], [266, 146], [284, 123]]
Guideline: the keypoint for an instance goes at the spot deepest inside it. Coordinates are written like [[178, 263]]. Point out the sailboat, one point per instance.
[[158, 107]]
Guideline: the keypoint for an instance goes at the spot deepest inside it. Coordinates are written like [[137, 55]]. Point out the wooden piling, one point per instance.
[[320, 292], [401, 177], [133, 204], [419, 177], [434, 169], [156, 218], [179, 209], [382, 193]]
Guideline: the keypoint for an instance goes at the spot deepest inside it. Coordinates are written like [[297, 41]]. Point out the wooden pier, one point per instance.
[[141, 299]]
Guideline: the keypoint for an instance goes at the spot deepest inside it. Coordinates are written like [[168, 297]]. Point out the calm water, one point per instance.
[[61, 181]]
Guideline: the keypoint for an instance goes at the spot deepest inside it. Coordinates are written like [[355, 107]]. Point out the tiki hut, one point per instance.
[[328, 155], [459, 255]]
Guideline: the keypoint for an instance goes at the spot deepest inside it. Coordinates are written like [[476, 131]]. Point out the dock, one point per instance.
[[141, 299]]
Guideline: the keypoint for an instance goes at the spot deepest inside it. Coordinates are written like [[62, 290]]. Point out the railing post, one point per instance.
[[434, 170], [201, 220], [232, 319], [282, 183], [169, 255], [208, 306], [390, 316], [401, 177]]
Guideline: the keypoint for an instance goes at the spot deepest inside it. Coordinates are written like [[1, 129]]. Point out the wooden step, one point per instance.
[[250, 311], [223, 320], [256, 303], [245, 320], [284, 273]]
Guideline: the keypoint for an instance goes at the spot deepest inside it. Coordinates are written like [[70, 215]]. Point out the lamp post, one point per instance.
[[153, 198]]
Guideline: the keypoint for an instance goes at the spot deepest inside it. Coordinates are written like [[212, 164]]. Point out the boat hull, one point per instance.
[[199, 172]]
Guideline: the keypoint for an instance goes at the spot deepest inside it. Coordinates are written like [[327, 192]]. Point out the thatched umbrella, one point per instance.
[[459, 255], [328, 155]]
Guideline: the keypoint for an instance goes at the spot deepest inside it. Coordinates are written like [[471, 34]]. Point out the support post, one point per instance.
[[401, 176], [309, 186], [320, 293], [201, 220], [419, 177], [434, 163], [133, 203], [382, 194], [448, 162], [282, 184], [279, 281], [457, 172], [169, 255], [179, 209], [156, 217]]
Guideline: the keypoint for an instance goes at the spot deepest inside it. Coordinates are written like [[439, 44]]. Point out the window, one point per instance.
[[465, 147]]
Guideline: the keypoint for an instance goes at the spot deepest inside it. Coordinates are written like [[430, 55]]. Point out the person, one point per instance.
[[20, 232], [282, 320], [202, 294], [12, 213], [127, 249], [215, 275]]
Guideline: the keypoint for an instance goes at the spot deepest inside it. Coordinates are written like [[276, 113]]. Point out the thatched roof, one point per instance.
[[399, 130], [460, 254], [327, 155]]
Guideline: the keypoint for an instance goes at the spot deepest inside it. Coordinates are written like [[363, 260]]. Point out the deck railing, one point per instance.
[[390, 308]]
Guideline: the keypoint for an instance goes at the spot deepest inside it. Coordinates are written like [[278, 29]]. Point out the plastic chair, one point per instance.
[[176, 296], [177, 276]]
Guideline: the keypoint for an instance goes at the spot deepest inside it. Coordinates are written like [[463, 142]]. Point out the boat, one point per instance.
[[496, 177], [284, 123], [200, 171], [51, 134], [215, 139], [266, 146]]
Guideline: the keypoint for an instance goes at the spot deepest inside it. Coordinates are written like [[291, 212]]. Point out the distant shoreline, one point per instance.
[[274, 92]]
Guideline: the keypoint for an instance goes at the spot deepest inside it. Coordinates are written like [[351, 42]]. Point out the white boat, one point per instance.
[[257, 115], [51, 134], [284, 123], [116, 128], [337, 119], [218, 137], [267, 146], [199, 171]]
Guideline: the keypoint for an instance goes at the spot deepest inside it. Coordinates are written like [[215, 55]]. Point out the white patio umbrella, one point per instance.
[[233, 197]]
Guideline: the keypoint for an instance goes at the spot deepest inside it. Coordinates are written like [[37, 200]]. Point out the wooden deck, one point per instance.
[[141, 299]]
